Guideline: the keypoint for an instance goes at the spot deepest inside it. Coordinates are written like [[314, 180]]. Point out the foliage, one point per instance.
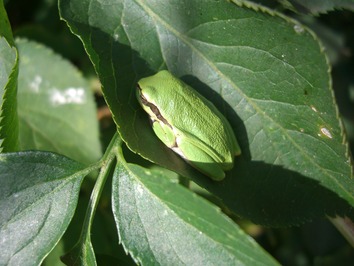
[[263, 67]]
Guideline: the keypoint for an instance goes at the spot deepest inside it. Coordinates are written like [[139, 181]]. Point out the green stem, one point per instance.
[[105, 163], [345, 226]]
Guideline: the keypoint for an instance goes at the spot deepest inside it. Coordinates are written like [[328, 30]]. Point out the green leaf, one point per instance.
[[8, 85], [8, 92], [55, 106], [5, 27], [8, 60], [38, 197], [268, 75], [320, 6], [161, 222]]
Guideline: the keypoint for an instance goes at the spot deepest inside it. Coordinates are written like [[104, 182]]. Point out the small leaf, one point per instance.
[[9, 128], [320, 6], [160, 222], [8, 59], [5, 27], [38, 197], [55, 106], [8, 85]]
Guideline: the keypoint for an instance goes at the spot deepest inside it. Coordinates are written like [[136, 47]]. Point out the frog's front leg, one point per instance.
[[165, 133]]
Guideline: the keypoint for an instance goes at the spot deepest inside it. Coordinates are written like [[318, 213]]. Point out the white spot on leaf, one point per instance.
[[326, 132], [298, 29], [313, 108], [139, 190], [35, 83], [68, 96]]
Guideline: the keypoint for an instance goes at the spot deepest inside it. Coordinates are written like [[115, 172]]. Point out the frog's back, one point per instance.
[[191, 113]]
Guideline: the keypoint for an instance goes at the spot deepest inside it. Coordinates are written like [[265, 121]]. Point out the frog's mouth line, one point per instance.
[[153, 108]]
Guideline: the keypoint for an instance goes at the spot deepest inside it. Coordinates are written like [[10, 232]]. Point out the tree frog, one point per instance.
[[189, 124]]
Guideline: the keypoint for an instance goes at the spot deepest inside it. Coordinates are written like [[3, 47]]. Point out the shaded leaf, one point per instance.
[[56, 108], [38, 197]]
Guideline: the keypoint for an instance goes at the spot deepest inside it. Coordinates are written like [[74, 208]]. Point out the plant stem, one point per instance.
[[345, 226], [106, 163]]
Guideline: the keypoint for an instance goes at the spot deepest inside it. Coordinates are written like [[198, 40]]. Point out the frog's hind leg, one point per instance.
[[199, 159]]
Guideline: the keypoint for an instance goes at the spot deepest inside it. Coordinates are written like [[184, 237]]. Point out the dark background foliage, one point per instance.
[[315, 243]]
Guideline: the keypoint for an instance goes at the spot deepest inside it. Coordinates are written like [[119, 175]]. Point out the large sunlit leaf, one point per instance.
[[38, 197], [56, 108], [268, 74]]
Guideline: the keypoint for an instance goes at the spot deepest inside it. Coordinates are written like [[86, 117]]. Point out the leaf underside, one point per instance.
[[37, 205]]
